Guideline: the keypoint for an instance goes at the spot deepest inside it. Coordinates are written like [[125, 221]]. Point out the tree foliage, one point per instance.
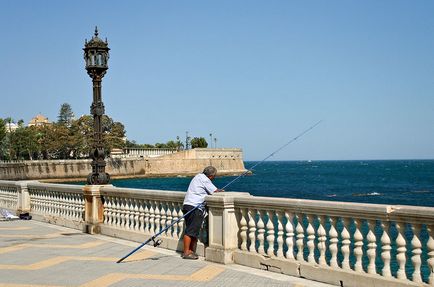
[[198, 142], [62, 140], [66, 115]]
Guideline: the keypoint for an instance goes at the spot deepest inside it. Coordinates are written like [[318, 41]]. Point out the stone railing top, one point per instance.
[[143, 193], [8, 183], [55, 187]]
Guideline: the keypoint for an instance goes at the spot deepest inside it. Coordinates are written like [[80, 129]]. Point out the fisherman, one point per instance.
[[199, 187]]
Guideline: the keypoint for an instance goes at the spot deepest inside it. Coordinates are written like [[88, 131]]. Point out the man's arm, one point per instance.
[[219, 190]]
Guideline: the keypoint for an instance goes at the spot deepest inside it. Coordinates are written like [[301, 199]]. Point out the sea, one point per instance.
[[397, 182]]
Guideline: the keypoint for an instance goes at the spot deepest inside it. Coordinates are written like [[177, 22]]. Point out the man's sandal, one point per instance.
[[191, 256]]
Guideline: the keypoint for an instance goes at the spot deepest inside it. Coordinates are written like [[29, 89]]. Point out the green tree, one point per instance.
[[198, 142], [3, 141], [24, 143], [66, 115]]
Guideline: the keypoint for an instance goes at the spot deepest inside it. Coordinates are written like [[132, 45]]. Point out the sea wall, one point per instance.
[[184, 163]]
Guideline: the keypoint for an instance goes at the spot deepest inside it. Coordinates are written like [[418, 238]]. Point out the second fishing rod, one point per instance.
[[157, 242]]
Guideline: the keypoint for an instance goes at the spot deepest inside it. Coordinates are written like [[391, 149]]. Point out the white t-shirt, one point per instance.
[[199, 187]]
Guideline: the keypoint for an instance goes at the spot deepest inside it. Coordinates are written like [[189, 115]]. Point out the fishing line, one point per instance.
[[273, 153]]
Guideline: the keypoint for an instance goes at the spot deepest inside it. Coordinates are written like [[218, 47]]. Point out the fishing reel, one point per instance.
[[156, 242]]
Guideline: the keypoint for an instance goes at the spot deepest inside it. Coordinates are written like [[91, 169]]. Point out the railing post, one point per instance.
[[23, 203], [93, 208], [222, 228]]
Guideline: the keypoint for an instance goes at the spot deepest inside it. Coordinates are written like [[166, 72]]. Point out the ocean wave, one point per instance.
[[422, 191], [367, 194]]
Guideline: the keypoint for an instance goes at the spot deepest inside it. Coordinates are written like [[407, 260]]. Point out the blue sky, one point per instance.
[[253, 73]]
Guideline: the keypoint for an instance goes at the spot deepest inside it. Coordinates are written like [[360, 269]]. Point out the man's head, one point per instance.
[[210, 172]]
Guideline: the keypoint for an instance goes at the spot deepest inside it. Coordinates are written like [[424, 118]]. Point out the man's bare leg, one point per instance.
[[193, 245], [187, 244]]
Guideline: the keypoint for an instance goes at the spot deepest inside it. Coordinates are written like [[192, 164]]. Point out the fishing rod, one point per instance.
[[153, 238], [157, 242]]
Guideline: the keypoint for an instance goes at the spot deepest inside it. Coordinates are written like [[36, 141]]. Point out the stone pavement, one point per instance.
[[39, 254]]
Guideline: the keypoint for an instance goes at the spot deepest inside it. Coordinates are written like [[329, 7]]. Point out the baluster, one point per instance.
[[69, 206], [333, 245], [358, 244], [146, 227], [48, 201], [61, 204], [151, 217], [123, 213], [385, 247], [136, 215], [81, 206], [111, 219], [289, 228], [126, 213], [181, 222], [41, 201], [322, 241], [157, 216], [163, 215], [44, 203], [310, 239], [400, 256], [169, 219], [279, 251], [243, 229], [417, 251], [261, 232], [300, 237], [141, 216], [252, 230], [430, 246], [129, 214], [270, 233], [56, 199], [46, 206], [75, 200], [118, 212], [345, 248], [106, 207], [371, 252], [52, 203], [175, 217]]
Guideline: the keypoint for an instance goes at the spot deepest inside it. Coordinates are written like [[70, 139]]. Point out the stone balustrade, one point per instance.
[[345, 244], [146, 152], [351, 241]]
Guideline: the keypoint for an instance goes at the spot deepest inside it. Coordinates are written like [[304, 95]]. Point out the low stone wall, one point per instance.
[[190, 162]]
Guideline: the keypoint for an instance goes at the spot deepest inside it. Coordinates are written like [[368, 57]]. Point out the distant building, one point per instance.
[[39, 120], [11, 127]]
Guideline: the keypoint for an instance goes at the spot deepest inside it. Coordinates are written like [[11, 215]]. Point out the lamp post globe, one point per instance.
[[96, 55]]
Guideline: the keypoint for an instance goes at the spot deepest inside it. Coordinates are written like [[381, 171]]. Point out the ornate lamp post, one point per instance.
[[96, 54]]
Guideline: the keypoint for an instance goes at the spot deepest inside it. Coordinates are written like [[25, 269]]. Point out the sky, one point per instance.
[[255, 74]]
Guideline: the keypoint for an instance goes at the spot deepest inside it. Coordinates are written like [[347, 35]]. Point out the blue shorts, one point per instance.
[[193, 221]]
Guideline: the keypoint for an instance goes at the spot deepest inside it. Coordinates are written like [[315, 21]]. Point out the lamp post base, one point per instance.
[[98, 178]]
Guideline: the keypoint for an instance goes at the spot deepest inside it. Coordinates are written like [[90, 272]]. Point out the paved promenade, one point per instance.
[[38, 254]]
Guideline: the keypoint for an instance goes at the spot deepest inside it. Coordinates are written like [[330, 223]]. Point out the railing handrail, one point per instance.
[[67, 188], [165, 195], [342, 209]]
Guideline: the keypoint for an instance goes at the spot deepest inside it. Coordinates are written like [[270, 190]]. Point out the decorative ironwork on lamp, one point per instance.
[[96, 55]]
